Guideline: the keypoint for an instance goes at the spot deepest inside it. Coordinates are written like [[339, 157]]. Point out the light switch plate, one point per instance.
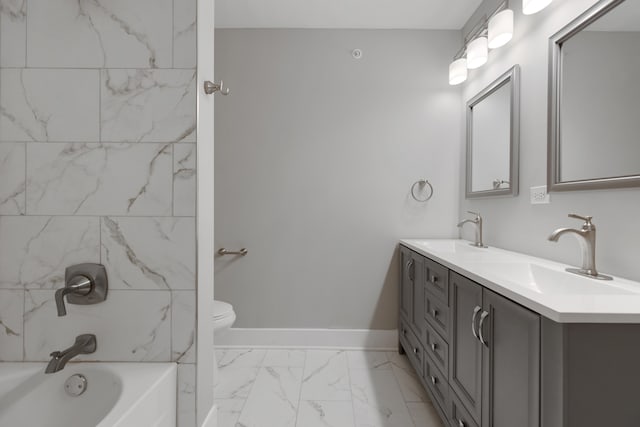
[[539, 195]]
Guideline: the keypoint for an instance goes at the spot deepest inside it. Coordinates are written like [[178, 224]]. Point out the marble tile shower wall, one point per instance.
[[97, 164]]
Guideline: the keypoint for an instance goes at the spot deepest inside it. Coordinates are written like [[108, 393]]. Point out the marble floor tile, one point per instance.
[[313, 413], [287, 358], [240, 358], [368, 360], [235, 383], [326, 376], [424, 414], [229, 411], [377, 400], [273, 401], [410, 386]]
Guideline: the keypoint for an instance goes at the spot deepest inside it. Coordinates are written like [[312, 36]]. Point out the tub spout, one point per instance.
[[85, 344]]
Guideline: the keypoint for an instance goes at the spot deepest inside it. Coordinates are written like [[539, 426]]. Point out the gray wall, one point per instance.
[[97, 157], [515, 224], [315, 155]]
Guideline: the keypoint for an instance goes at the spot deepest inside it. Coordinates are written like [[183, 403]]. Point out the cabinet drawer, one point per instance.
[[436, 382], [438, 349], [437, 280], [436, 313], [412, 346], [458, 415]]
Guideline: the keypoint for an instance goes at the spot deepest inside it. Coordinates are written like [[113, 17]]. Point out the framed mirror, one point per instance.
[[493, 138], [594, 125]]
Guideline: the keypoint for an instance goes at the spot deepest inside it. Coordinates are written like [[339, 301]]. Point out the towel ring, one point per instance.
[[422, 183]]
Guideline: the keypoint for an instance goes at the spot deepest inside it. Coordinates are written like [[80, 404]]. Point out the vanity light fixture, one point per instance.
[[529, 7], [477, 53], [500, 29], [458, 71]]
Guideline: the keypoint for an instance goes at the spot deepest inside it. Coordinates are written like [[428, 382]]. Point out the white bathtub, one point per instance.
[[117, 395]]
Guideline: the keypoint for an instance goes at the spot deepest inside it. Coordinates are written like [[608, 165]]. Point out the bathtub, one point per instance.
[[116, 395]]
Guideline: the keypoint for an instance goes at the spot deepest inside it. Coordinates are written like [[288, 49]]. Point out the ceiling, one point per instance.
[[375, 14]]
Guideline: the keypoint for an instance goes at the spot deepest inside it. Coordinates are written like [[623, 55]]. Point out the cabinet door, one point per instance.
[[417, 315], [406, 283], [465, 350], [511, 364]]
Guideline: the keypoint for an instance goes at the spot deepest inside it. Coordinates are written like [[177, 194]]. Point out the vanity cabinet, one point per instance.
[[479, 355]]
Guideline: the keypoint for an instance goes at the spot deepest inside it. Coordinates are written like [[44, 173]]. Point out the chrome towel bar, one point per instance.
[[223, 251]]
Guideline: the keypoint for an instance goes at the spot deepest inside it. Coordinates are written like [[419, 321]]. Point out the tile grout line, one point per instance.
[[304, 367], [353, 408]]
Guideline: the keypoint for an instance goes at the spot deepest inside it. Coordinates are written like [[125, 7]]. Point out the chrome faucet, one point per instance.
[[85, 344], [587, 238], [478, 223]]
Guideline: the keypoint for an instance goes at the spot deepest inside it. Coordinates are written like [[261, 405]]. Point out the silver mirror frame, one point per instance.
[[511, 76], [555, 89]]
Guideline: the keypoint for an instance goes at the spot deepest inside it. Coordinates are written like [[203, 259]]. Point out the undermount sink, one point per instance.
[[450, 246], [545, 280]]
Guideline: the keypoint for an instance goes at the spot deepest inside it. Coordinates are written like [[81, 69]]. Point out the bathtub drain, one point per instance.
[[75, 385]]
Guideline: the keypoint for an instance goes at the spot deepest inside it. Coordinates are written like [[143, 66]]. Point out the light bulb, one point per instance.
[[457, 71], [501, 29], [529, 7], [477, 53]]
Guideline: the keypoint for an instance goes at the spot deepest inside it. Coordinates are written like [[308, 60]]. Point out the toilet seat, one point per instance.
[[222, 310]]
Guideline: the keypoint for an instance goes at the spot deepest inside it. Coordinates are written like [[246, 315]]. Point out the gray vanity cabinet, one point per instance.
[[477, 353], [465, 350]]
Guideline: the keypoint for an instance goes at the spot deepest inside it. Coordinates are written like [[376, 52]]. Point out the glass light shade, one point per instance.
[[529, 7], [501, 29], [477, 53], [457, 71]]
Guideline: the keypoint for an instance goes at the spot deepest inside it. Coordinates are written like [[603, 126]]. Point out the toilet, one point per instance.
[[223, 318]]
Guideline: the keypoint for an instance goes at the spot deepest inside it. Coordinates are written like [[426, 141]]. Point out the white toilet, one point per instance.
[[223, 318]]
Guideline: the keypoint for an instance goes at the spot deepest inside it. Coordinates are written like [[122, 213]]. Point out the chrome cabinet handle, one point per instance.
[[404, 332], [434, 279], [435, 312], [461, 423], [415, 350], [480, 336], [434, 346], [410, 270], [434, 380], [473, 321]]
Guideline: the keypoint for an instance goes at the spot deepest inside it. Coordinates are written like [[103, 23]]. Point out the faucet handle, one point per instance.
[[586, 219]]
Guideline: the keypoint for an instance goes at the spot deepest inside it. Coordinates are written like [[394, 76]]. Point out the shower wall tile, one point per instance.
[[129, 326], [11, 311], [148, 105], [35, 250], [184, 33], [100, 33], [149, 253], [13, 33], [49, 105], [183, 326], [12, 179], [186, 395], [99, 179], [184, 180]]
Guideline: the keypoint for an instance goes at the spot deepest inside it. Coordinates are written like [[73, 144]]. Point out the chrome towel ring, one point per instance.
[[422, 184]]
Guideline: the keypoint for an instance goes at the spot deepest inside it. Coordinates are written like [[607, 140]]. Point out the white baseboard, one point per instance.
[[212, 418], [348, 339]]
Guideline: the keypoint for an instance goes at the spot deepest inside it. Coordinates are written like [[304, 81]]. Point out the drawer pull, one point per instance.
[[461, 423], [415, 350], [434, 346], [434, 380], [434, 279], [410, 271], [435, 312]]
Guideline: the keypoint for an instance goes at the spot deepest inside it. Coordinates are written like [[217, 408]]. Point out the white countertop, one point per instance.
[[536, 283]]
